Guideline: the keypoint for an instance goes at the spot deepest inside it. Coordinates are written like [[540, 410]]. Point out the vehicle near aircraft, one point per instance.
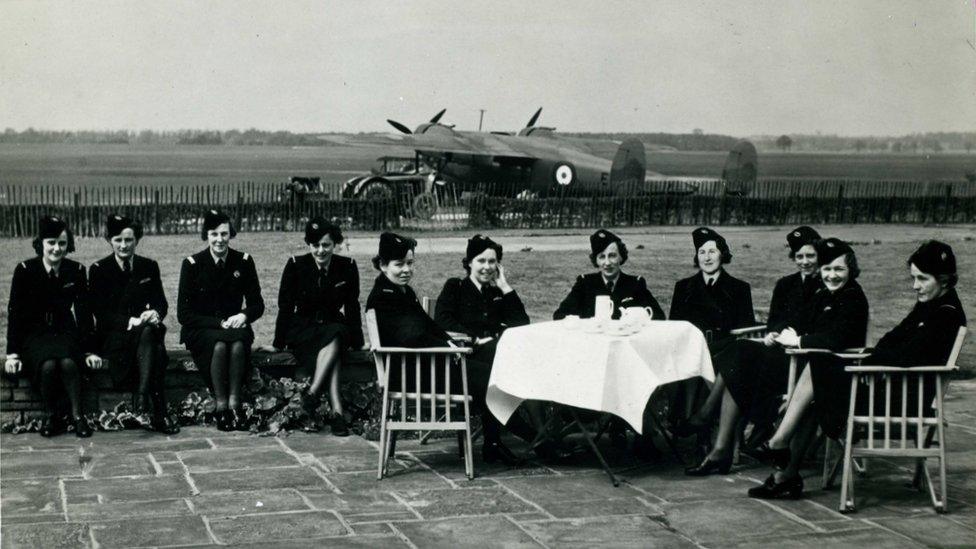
[[536, 161]]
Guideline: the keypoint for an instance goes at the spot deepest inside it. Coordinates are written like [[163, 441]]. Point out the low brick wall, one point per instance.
[[18, 400]]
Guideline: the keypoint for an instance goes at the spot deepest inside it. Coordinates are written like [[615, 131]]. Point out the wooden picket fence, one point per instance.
[[270, 207]]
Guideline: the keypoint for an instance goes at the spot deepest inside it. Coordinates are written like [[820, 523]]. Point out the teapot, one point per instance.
[[640, 316]]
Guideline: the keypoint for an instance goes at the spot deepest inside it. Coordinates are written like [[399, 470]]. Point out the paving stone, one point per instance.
[[125, 489], [633, 531], [151, 532], [373, 529], [527, 517], [253, 441], [935, 530], [347, 462], [560, 489], [460, 532], [452, 467], [48, 463], [279, 526], [35, 518], [117, 465], [244, 503], [172, 468], [259, 479], [48, 536], [201, 461], [876, 538], [364, 506], [29, 497], [434, 504], [708, 523], [346, 542], [415, 478], [318, 442], [113, 511], [674, 486], [601, 508], [162, 448]]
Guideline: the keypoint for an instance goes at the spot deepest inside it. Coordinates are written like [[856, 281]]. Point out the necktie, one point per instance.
[[711, 282], [52, 275], [220, 265], [126, 266], [322, 277], [610, 286]]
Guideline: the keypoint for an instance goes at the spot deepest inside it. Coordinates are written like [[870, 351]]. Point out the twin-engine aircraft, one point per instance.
[[539, 162]]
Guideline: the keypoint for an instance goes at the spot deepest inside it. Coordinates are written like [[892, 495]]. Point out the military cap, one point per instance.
[[800, 237], [116, 223], [478, 244], [934, 258]]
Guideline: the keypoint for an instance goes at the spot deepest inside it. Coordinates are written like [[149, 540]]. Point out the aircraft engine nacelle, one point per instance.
[[435, 129]]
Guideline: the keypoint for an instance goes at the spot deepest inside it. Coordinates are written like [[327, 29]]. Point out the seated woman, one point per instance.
[[714, 301], [49, 325], [836, 318], [607, 253], [129, 305], [402, 322], [318, 314], [924, 337], [790, 295], [215, 284]]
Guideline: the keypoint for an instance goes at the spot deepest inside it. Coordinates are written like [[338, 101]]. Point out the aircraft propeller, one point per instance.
[[403, 129], [534, 119]]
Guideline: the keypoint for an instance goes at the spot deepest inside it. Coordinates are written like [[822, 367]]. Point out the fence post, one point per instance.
[[947, 211], [156, 211], [840, 205]]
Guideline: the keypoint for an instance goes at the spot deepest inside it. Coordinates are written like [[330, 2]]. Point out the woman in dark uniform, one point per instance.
[[924, 337], [129, 307], [49, 325], [608, 254], [318, 313], [836, 318], [790, 295], [482, 305], [715, 302], [215, 284]]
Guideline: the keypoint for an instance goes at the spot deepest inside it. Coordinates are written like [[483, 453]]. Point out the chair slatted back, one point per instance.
[[373, 331]]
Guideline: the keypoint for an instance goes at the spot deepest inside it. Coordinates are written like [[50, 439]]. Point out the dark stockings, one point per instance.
[[70, 379], [151, 373], [327, 369], [727, 422], [228, 369]]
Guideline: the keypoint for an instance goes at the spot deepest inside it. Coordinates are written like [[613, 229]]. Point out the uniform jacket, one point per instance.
[[38, 304], [303, 301], [461, 307], [925, 337], [834, 320], [628, 291], [115, 297], [208, 296], [401, 320], [725, 306], [789, 296]]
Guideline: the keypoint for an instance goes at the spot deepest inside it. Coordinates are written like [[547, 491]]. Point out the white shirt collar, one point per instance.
[[475, 282], [713, 276], [216, 259], [119, 261], [49, 268], [607, 280]]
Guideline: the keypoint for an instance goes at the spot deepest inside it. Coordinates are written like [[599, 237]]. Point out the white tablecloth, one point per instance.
[[616, 374]]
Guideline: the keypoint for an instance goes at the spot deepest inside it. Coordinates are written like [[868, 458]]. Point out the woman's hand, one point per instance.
[[94, 361], [770, 339], [501, 281], [150, 316], [788, 338], [12, 365], [134, 322], [237, 321]]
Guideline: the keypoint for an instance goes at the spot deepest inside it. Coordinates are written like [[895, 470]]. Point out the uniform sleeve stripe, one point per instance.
[[246, 257], [191, 260]]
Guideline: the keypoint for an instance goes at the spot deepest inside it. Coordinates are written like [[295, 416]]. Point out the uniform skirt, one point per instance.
[[121, 347], [831, 394], [755, 375], [307, 339], [44, 346], [201, 343]]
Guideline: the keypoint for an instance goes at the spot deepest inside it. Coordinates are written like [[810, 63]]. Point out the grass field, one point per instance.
[[125, 165], [544, 274]]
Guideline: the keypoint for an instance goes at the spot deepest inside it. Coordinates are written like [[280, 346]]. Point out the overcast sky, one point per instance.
[[852, 68]]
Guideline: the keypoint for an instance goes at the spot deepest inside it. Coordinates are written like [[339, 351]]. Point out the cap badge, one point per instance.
[[315, 226], [213, 212], [796, 233], [944, 256], [602, 234], [55, 219], [830, 244], [398, 240]]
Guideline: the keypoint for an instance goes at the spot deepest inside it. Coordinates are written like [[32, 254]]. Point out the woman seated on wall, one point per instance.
[[924, 337], [836, 318], [608, 254], [790, 295], [215, 285], [49, 325], [318, 314], [129, 306]]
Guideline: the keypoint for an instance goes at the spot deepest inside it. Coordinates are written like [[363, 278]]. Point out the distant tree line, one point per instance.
[[250, 137], [934, 142], [695, 141]]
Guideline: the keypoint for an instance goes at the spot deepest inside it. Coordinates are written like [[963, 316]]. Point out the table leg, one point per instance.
[[589, 440], [656, 424]]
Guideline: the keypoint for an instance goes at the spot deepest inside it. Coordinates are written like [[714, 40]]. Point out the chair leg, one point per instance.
[[383, 436], [825, 480], [460, 441]]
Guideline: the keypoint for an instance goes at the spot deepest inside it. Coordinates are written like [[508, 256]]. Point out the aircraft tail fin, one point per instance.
[[629, 164], [741, 168]]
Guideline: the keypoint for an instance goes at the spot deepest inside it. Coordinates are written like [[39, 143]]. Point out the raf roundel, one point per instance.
[[564, 174]]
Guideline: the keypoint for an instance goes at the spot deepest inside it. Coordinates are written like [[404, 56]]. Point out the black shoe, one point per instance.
[[339, 426], [791, 488], [686, 428], [777, 457], [708, 467], [496, 451], [645, 450], [311, 403], [551, 452], [159, 422], [52, 426], [225, 421], [82, 428], [239, 420]]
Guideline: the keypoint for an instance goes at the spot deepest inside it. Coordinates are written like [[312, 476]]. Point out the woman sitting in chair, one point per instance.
[[318, 314], [608, 253], [835, 319], [924, 337]]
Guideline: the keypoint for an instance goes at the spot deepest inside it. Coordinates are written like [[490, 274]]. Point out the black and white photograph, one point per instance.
[[482, 274]]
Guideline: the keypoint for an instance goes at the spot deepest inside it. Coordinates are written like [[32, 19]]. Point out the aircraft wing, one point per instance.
[[454, 142]]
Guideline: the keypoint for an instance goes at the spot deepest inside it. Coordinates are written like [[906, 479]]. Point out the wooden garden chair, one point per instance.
[[420, 410], [428, 305]]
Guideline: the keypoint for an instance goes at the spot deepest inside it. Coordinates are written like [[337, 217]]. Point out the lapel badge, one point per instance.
[[237, 274]]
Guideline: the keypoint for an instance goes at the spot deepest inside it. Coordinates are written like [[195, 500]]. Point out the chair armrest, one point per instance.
[[423, 350], [749, 330], [852, 356], [896, 369], [792, 351], [460, 337]]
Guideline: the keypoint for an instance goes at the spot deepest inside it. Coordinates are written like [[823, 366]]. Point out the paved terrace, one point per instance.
[[205, 488]]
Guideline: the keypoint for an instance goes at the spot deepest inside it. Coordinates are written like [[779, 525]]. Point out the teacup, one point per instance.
[[571, 321]]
